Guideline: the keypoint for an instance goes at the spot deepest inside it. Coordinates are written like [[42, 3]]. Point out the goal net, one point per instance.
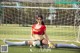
[[62, 20]]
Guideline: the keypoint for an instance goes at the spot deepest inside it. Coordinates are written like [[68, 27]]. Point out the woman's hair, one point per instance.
[[40, 16]]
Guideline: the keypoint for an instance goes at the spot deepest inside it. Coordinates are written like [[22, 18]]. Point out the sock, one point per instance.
[[66, 45], [16, 43]]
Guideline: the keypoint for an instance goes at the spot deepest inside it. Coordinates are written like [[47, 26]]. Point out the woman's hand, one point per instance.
[[51, 45]]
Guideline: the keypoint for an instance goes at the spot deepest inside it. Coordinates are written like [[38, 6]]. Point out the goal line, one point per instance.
[[30, 39]]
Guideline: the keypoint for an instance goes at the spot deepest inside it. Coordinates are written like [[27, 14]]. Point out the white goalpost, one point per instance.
[[78, 38]]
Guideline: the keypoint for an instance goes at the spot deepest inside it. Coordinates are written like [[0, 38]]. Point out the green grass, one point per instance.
[[26, 49], [54, 33], [59, 32]]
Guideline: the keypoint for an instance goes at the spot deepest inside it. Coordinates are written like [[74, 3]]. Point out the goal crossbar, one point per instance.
[[36, 7]]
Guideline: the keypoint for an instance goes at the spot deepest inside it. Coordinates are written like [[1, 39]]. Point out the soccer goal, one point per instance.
[[62, 21]]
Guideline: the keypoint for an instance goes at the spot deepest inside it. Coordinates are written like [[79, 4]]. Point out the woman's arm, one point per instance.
[[32, 37], [49, 43], [46, 36]]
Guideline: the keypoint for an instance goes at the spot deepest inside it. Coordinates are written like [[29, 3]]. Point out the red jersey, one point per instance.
[[40, 30]]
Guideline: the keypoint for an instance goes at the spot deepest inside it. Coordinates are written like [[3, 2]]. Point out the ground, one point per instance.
[[27, 49], [54, 33]]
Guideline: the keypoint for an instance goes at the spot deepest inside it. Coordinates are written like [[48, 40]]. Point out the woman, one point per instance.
[[39, 37], [38, 34]]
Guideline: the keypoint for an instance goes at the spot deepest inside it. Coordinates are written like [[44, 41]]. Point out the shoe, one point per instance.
[[5, 41]]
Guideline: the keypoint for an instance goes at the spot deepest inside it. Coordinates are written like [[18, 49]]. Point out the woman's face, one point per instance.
[[39, 20]]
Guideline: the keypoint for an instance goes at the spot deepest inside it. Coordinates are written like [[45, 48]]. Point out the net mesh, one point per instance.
[[62, 20]]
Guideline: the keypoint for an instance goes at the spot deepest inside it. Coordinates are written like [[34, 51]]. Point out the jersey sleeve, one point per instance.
[[44, 29], [32, 26], [32, 29]]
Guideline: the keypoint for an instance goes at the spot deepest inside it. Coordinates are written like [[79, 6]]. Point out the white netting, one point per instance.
[[62, 20]]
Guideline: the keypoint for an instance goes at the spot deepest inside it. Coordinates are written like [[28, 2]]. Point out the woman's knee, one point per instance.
[[29, 42], [44, 41]]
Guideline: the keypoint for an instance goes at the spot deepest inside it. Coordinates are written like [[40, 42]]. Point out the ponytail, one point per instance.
[[42, 23]]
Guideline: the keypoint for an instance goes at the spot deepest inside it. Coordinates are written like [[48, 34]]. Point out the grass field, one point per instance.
[[26, 49], [54, 33]]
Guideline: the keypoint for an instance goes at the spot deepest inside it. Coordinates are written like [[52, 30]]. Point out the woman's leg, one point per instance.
[[30, 42], [46, 44], [66, 46], [16, 43], [44, 41]]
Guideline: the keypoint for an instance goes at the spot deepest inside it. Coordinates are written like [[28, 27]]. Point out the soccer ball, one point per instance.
[[36, 43]]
